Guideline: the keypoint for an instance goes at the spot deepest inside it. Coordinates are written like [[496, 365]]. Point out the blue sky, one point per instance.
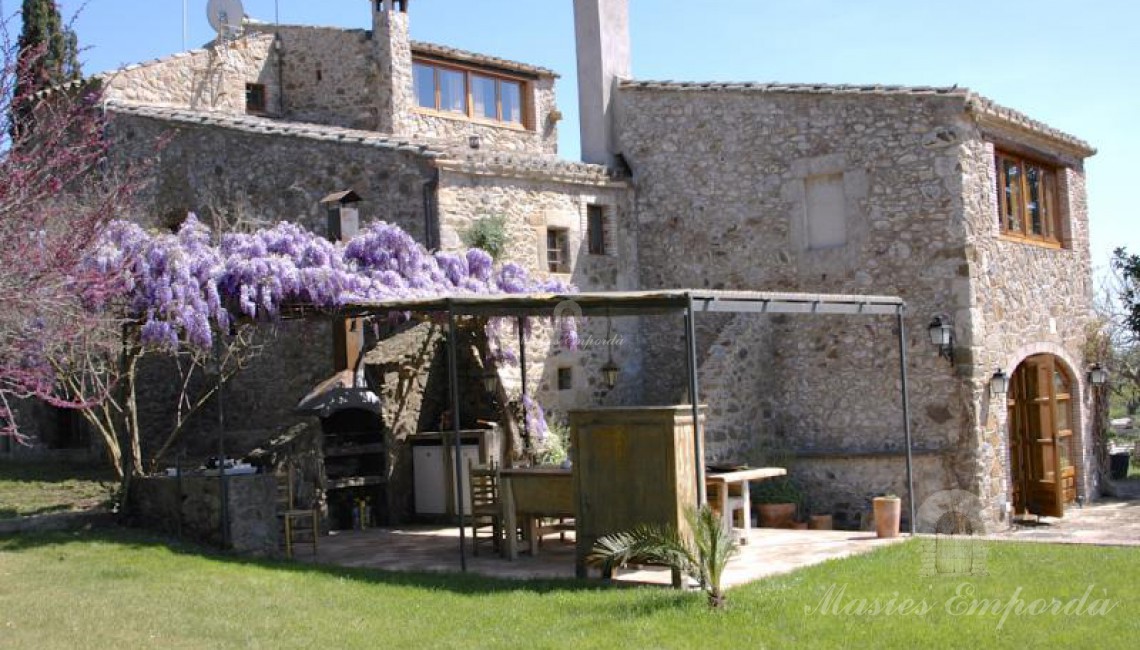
[[1072, 65]]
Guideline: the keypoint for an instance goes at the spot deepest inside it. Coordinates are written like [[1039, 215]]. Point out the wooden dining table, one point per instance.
[[532, 493], [727, 486]]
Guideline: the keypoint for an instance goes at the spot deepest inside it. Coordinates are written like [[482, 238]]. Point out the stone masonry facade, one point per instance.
[[721, 175], [881, 190]]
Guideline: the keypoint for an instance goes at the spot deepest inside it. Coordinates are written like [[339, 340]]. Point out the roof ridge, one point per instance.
[[779, 86], [447, 50]]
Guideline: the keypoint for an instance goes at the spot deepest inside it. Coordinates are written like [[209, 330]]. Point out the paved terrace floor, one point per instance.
[[769, 551], [1107, 522]]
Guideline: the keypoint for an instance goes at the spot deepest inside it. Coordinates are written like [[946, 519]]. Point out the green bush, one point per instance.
[[489, 234]]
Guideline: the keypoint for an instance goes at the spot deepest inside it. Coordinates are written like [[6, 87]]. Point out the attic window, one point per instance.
[[1027, 199], [255, 98], [477, 94]]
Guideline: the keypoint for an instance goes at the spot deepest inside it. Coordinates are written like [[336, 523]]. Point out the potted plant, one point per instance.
[[776, 502], [814, 521], [887, 509]]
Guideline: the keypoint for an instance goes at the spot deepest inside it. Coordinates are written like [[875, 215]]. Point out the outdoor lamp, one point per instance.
[[610, 370], [1098, 376], [610, 373], [490, 380], [942, 336], [999, 383]]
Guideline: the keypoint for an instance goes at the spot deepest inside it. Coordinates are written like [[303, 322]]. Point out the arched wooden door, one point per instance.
[[1041, 437]]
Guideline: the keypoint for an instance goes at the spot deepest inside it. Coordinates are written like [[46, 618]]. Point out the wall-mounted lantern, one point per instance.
[[942, 336], [490, 380], [999, 383], [1098, 376], [610, 370]]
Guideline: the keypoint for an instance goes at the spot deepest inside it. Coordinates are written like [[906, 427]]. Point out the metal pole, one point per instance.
[[698, 437], [453, 380], [522, 373], [224, 480], [906, 415]]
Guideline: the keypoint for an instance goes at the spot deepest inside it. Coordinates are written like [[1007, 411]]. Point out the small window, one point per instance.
[[255, 98], [557, 250], [1027, 199], [596, 229], [565, 378], [826, 207]]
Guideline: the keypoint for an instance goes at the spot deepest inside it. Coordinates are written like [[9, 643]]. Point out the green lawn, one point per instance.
[[127, 590], [38, 488]]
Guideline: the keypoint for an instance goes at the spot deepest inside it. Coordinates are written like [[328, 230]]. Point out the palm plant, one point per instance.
[[703, 556]]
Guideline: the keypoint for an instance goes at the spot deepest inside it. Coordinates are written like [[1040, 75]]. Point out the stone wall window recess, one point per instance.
[[1098, 376], [942, 336], [596, 228], [999, 383], [565, 378], [558, 250], [474, 93], [255, 98], [1028, 207]]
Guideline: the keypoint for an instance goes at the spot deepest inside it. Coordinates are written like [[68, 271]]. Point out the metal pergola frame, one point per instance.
[[690, 302]]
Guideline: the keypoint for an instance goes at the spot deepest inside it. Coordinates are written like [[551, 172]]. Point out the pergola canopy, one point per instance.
[[636, 303], [641, 303]]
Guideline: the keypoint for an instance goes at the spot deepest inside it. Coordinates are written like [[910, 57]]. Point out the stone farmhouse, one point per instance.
[[972, 212]]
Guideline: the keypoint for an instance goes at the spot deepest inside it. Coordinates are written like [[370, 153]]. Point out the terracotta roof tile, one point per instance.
[[264, 125]]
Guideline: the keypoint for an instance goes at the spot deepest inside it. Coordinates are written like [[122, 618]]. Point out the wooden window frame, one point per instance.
[[256, 109], [1053, 235], [558, 257], [597, 239], [524, 83]]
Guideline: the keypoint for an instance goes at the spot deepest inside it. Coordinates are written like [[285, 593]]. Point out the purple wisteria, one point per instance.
[[182, 287]]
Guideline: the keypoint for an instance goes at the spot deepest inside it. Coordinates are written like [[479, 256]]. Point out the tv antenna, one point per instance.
[[225, 17]]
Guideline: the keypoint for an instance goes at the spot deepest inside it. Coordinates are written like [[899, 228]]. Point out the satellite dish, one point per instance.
[[225, 16]]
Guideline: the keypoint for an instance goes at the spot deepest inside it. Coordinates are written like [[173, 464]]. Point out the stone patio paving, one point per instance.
[[1108, 522], [768, 552]]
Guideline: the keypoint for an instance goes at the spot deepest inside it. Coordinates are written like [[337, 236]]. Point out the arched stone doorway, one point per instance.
[[1042, 448]]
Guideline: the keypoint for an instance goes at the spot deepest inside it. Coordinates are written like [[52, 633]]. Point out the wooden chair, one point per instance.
[[486, 506], [291, 513]]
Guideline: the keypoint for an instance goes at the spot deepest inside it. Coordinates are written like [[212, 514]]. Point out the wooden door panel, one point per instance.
[[1040, 439]]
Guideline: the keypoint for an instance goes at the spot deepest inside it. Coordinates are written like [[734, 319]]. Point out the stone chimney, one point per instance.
[[601, 28], [393, 51]]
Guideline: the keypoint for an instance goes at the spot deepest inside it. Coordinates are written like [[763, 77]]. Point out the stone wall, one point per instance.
[[532, 202], [191, 508], [210, 79], [1026, 299], [258, 175], [722, 180], [329, 76], [242, 179]]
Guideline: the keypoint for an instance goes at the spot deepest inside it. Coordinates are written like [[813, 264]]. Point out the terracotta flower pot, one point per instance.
[[776, 515], [820, 522], [887, 513]]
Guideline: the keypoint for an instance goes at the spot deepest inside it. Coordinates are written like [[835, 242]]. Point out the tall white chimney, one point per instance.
[[602, 31]]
